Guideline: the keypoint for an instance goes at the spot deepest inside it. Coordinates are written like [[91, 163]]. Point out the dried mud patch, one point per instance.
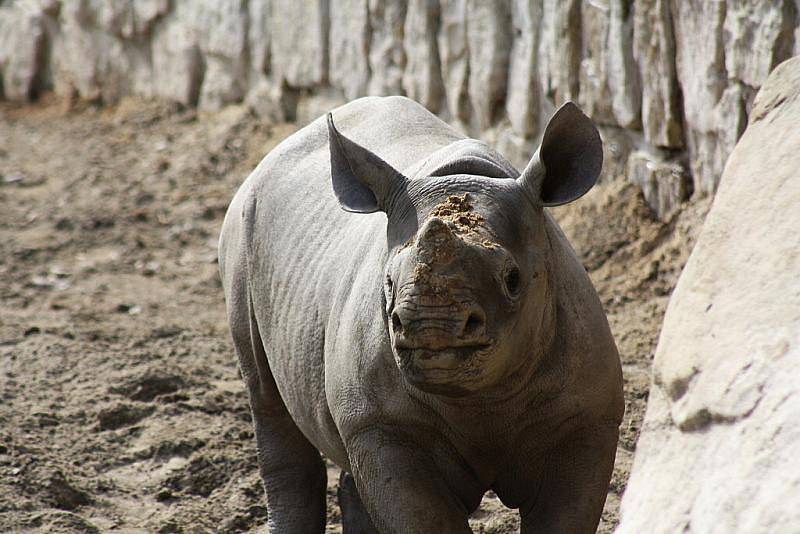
[[457, 209], [121, 407]]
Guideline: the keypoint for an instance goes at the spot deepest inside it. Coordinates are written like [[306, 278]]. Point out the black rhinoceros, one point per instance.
[[401, 302]]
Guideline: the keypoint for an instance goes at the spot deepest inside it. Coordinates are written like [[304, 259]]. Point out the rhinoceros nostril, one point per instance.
[[473, 326]]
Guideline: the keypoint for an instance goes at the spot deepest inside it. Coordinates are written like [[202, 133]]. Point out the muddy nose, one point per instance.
[[438, 328]]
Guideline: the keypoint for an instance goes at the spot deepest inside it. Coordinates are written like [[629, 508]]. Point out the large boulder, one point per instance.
[[720, 439], [724, 52], [387, 57], [422, 79], [24, 50], [300, 49], [609, 81], [654, 50], [100, 48]]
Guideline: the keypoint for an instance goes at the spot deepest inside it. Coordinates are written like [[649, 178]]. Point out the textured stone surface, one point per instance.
[[609, 80], [718, 450], [23, 51], [258, 38], [757, 36], [97, 51], [455, 57], [300, 48], [654, 50], [663, 183], [177, 62], [221, 28], [387, 58], [201, 53], [560, 50], [524, 91], [671, 77], [422, 79], [701, 73], [489, 38], [349, 44], [725, 49]]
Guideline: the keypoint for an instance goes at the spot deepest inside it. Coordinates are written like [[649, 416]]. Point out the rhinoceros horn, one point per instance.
[[362, 181], [568, 161]]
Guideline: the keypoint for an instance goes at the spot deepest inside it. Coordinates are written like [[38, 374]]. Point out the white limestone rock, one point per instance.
[[725, 49], [316, 105], [757, 36], [454, 56], [422, 78], [618, 144], [710, 147], [516, 148], [609, 79], [664, 183], [221, 28], [524, 90], [387, 58], [718, 449], [98, 53], [654, 50], [24, 47], [701, 73], [560, 50], [489, 36], [623, 75], [300, 48], [178, 65], [271, 101], [258, 39], [349, 46]]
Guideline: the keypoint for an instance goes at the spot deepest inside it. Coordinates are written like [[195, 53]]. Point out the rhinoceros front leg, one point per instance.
[[574, 484], [401, 488], [355, 519]]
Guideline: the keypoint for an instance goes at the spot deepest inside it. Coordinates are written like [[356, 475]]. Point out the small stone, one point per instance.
[[64, 494], [121, 415], [13, 178], [151, 268], [33, 330], [164, 494]]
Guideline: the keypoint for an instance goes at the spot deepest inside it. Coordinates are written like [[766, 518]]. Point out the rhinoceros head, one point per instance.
[[467, 285]]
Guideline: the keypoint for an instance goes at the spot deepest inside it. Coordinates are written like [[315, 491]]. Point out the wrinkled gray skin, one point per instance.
[[431, 357]]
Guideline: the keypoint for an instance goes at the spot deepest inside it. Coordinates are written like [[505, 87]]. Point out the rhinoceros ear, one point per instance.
[[362, 182], [569, 160]]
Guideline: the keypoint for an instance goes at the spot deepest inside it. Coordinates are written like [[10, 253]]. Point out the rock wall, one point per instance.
[[670, 82], [718, 448]]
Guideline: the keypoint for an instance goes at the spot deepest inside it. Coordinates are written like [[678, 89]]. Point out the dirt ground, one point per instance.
[[121, 406]]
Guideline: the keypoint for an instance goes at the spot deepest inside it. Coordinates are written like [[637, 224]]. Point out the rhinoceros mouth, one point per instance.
[[444, 358], [448, 368]]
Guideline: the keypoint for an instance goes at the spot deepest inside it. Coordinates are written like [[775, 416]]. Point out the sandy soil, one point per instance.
[[121, 406]]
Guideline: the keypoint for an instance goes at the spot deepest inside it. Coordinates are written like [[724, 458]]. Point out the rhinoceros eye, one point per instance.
[[512, 281]]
